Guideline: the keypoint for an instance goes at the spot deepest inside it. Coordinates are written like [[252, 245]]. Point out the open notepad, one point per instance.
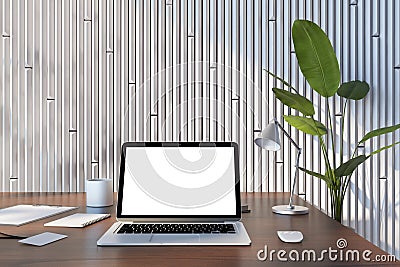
[[22, 214], [78, 220]]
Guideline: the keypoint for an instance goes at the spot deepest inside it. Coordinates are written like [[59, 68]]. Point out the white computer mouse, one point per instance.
[[290, 236]]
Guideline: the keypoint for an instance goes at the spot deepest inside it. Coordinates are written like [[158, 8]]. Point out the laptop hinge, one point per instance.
[[173, 221]]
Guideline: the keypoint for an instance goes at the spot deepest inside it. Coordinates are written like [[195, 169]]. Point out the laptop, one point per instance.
[[178, 193]]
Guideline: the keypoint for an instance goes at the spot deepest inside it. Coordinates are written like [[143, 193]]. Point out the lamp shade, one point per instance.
[[269, 138]]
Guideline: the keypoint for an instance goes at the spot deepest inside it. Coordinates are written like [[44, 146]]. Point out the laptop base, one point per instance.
[[111, 238]]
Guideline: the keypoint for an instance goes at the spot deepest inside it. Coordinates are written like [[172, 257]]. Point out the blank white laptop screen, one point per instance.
[[179, 181]]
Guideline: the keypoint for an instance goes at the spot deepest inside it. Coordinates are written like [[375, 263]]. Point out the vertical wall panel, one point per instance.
[[257, 83], [195, 30], [131, 43], [87, 89], [176, 65], [153, 65], [227, 70], [80, 110], [191, 117], [108, 90], [187, 32], [161, 106], [65, 94], [57, 96], [221, 87], [95, 91], [119, 80], [2, 110], [242, 51], [169, 71], [205, 12], [14, 100], [50, 120], [78, 78], [35, 50], [103, 88], [73, 107], [213, 70], [249, 87], [146, 69]]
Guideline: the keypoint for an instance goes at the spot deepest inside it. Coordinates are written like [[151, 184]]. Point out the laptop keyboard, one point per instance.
[[201, 228]]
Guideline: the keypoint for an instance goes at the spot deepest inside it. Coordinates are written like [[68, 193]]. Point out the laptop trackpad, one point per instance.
[[171, 238]]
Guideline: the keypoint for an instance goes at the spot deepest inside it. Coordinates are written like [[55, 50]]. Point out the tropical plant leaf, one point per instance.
[[307, 125], [295, 101], [355, 90], [316, 57], [379, 131], [348, 167], [315, 174], [383, 148]]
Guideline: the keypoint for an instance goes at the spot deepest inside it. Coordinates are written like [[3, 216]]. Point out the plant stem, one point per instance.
[[343, 182], [281, 80], [332, 136], [342, 131], [332, 202], [325, 153], [323, 146], [346, 184], [339, 209], [330, 192]]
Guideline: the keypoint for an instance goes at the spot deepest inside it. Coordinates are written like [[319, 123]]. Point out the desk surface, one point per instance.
[[79, 249]]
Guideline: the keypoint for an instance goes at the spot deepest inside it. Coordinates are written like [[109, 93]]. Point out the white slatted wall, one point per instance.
[[79, 77]]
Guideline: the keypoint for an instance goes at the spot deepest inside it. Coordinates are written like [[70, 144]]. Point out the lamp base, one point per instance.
[[286, 210]]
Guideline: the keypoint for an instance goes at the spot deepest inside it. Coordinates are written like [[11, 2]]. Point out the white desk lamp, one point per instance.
[[269, 140]]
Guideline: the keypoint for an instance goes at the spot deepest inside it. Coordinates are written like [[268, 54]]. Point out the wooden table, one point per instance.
[[79, 249]]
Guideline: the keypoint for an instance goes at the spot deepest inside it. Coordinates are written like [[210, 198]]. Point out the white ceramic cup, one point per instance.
[[99, 192]]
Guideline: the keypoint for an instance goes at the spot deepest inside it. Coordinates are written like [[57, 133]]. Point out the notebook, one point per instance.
[[78, 220], [23, 214]]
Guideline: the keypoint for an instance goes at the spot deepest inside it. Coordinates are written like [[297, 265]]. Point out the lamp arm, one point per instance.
[[287, 135], [296, 174]]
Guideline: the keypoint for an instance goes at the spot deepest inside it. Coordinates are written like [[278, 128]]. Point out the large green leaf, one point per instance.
[[380, 131], [295, 101], [315, 174], [348, 167], [307, 125], [316, 57], [383, 148], [355, 90]]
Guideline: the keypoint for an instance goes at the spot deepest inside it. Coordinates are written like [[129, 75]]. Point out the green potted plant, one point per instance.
[[318, 63]]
